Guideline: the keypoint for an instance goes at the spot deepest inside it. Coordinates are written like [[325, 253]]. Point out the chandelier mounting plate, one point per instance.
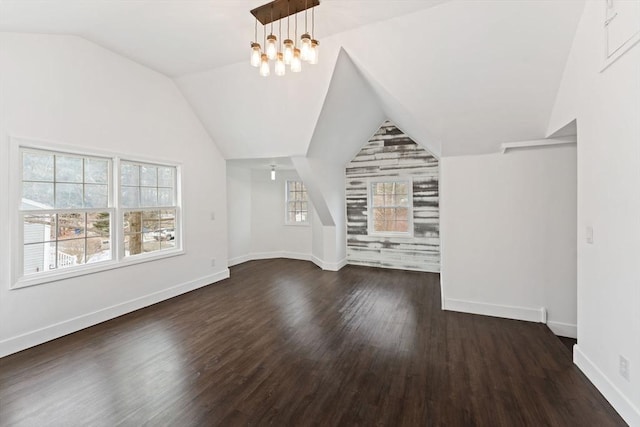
[[278, 9]]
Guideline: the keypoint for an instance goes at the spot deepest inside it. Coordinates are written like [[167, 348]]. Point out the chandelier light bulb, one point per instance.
[[280, 67], [288, 51], [306, 46], [255, 54], [265, 69], [315, 51], [296, 62], [272, 46]]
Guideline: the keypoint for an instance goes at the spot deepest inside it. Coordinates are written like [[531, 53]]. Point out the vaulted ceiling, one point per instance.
[[460, 77]]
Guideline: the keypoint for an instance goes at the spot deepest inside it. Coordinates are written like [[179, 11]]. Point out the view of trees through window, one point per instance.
[[149, 231], [148, 193], [390, 207], [68, 217], [64, 210]]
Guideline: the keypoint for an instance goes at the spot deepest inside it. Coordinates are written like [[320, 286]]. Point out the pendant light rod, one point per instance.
[[288, 15], [306, 10], [279, 9]]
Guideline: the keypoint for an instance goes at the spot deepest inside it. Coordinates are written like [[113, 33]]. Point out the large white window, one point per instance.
[[296, 203], [72, 223], [148, 200], [65, 210], [390, 207]]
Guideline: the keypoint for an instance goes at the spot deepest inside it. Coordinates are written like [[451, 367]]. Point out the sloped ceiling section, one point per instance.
[[249, 116], [178, 37], [350, 115], [460, 78], [471, 74]]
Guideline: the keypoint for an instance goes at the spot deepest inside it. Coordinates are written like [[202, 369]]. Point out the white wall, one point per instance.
[[270, 235], [607, 108], [257, 228], [68, 90], [508, 230], [239, 213]]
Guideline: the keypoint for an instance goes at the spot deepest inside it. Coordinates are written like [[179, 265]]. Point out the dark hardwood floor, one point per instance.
[[284, 343]]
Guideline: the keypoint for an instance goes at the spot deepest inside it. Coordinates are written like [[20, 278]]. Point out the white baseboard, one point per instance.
[[508, 312], [364, 263], [238, 260], [618, 400], [563, 329], [48, 333], [254, 256], [329, 266]]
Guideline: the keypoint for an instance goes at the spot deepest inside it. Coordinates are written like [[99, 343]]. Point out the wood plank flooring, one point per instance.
[[284, 343]]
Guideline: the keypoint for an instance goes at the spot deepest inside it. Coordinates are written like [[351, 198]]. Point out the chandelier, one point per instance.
[[284, 53]]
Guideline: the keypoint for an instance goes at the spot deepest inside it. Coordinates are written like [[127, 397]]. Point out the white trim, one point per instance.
[[329, 266], [82, 270], [372, 263], [18, 144], [391, 234], [255, 256], [496, 310], [238, 260], [563, 329], [627, 410], [57, 330], [287, 222], [280, 254], [565, 140]]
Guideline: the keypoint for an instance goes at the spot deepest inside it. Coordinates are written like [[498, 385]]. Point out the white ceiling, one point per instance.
[[461, 77], [178, 37]]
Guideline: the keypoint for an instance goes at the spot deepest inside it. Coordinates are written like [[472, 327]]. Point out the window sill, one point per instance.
[[297, 224], [28, 281]]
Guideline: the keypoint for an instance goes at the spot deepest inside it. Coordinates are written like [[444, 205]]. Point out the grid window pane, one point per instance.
[[154, 185], [130, 197], [96, 171], [37, 166], [166, 177], [296, 203], [98, 249], [36, 257], [68, 169], [99, 224], [148, 176], [69, 196], [71, 226], [74, 223], [391, 205], [37, 195], [70, 253], [96, 196], [129, 174], [149, 231], [39, 228], [148, 196], [165, 197]]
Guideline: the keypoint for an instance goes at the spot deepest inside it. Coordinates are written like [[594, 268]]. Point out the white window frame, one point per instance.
[[399, 179], [123, 210], [118, 260], [286, 205]]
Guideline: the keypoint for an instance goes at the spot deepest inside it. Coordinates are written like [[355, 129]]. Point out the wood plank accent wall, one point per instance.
[[391, 153]]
